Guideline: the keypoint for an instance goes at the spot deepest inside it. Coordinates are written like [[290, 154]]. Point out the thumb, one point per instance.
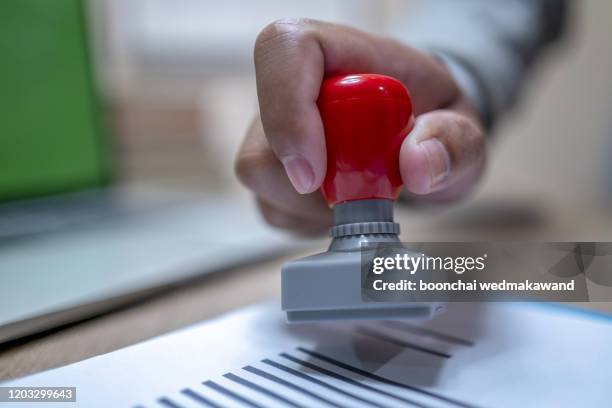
[[444, 155]]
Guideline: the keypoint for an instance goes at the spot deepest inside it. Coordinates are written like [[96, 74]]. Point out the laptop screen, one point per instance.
[[51, 138]]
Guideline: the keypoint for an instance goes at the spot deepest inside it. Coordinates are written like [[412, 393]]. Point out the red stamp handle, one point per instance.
[[366, 118]]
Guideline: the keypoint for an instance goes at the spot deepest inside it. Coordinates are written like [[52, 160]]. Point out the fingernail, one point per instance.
[[438, 161], [300, 173]]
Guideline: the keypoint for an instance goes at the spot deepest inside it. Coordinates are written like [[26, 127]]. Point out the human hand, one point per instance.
[[283, 158]]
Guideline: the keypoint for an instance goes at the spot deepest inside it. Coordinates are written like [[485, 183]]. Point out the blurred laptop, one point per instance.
[[73, 244]]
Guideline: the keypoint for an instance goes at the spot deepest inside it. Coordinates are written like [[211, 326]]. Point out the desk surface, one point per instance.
[[178, 308]]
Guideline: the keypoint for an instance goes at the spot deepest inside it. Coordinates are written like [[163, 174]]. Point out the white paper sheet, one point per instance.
[[484, 355]]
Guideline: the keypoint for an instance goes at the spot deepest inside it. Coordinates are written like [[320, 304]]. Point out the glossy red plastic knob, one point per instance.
[[366, 118]]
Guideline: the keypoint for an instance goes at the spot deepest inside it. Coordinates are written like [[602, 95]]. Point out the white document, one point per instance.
[[476, 355]]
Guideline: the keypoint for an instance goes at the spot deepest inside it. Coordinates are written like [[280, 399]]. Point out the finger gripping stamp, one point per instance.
[[366, 117]]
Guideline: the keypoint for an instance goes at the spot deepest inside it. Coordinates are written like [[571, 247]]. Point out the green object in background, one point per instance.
[[50, 135]]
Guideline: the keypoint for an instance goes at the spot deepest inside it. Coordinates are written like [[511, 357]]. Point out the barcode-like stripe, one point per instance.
[[199, 398], [351, 381], [231, 394], [397, 342], [363, 330], [287, 384], [383, 379], [166, 402], [322, 383], [261, 389], [427, 332]]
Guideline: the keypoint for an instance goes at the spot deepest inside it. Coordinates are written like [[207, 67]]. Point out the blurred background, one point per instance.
[[141, 104], [176, 82]]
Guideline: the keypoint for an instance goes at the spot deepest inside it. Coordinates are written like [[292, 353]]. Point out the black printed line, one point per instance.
[[373, 376], [427, 332], [200, 398], [351, 381], [287, 384], [397, 342], [231, 394], [322, 383], [166, 402], [261, 389]]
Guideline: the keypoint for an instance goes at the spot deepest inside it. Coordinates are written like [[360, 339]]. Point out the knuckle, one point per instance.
[[470, 145], [250, 166], [459, 121], [274, 217], [467, 129], [286, 29], [470, 127], [460, 134]]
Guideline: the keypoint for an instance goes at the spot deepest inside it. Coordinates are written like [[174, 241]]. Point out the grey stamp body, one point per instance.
[[328, 286]]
